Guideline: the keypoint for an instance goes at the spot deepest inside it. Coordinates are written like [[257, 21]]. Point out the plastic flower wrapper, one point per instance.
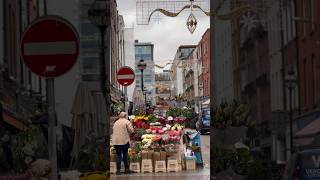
[[171, 148]]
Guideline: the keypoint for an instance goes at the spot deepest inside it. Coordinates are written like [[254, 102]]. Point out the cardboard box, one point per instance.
[[171, 155], [156, 156], [150, 155], [144, 155], [163, 156]]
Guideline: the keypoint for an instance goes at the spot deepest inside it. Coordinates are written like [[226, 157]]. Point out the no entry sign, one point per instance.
[[125, 76], [50, 46]]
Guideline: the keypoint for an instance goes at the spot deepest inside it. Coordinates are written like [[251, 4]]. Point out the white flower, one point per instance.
[[170, 118]]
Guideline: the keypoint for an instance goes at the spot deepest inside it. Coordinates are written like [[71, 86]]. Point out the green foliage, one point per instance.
[[91, 154], [152, 118], [179, 112], [231, 114], [239, 160], [26, 146], [135, 158]]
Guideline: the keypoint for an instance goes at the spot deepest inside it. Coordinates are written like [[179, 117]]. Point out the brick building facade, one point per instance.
[[205, 58]]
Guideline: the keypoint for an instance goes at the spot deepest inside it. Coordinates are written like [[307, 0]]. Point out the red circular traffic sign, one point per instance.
[[125, 76], [50, 46]]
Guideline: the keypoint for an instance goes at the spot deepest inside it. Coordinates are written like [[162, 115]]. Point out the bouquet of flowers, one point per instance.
[[147, 140], [179, 120], [161, 120], [133, 156], [177, 127], [138, 133], [141, 124], [152, 118]]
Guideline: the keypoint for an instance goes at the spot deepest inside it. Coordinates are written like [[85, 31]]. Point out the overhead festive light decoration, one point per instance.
[[192, 21], [249, 21]]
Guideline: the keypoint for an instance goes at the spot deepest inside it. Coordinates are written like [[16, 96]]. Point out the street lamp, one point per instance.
[[99, 14], [142, 66], [291, 82]]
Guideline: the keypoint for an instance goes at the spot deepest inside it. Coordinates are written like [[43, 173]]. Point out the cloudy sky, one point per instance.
[[167, 33]]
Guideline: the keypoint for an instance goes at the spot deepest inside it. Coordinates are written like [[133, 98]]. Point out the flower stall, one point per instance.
[[157, 142]]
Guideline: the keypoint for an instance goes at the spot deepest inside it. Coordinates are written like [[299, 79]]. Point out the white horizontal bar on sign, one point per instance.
[[50, 48], [125, 76]]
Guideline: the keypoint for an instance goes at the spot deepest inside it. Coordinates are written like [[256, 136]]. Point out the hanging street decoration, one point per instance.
[[192, 21], [249, 21]]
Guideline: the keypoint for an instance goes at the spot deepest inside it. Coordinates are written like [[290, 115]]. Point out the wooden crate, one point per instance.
[[160, 166], [146, 166], [135, 167], [172, 166]]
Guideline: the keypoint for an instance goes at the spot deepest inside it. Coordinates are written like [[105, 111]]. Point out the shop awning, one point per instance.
[[310, 130], [10, 119]]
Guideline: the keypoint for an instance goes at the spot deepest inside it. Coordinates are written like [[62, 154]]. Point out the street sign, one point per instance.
[[125, 76], [50, 46]]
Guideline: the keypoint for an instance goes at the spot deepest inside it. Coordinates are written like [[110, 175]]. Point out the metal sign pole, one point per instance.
[[52, 141], [126, 100]]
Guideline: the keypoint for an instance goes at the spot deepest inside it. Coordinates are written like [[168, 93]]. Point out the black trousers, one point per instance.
[[122, 154]]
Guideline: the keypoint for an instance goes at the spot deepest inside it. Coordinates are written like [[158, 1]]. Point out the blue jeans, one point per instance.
[[122, 154]]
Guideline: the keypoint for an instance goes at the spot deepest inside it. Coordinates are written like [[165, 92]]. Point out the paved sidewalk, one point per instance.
[[200, 174]]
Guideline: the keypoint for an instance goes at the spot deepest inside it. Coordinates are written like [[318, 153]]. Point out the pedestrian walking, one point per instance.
[[122, 130]]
